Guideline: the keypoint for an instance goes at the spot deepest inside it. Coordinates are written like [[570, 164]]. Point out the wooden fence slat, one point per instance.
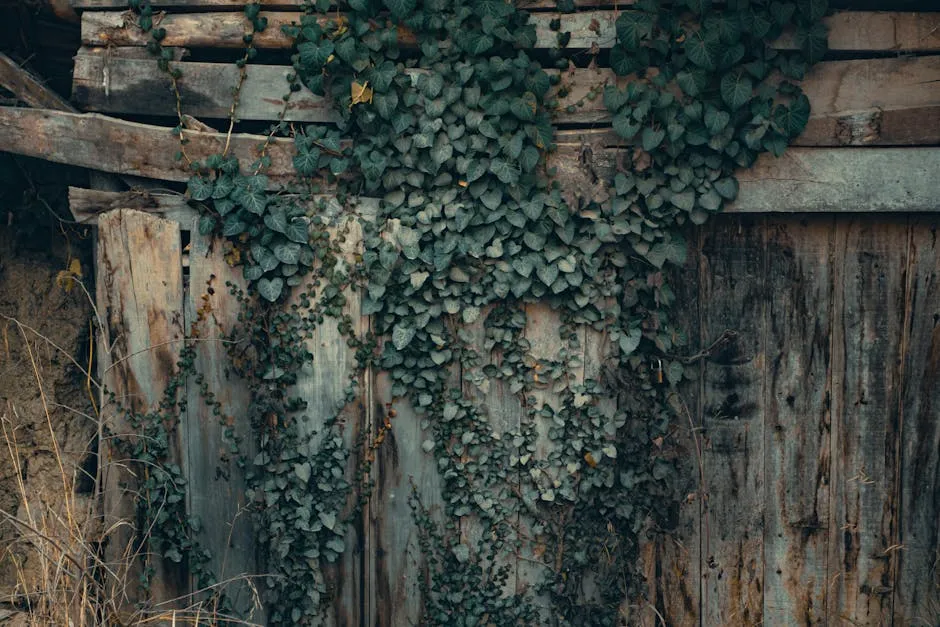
[[811, 180], [731, 293], [854, 102], [673, 561], [867, 315], [277, 4], [796, 429], [917, 586], [323, 387], [216, 482], [859, 31], [140, 296]]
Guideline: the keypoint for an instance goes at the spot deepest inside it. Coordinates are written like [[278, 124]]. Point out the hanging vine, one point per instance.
[[448, 121]]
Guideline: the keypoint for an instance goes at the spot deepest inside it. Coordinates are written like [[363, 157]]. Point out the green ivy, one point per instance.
[[449, 123]]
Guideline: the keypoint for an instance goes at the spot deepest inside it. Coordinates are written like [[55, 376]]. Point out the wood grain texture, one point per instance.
[[867, 102], [867, 327], [859, 31], [216, 482], [295, 4], [810, 180], [796, 429], [917, 583], [27, 88], [139, 295], [322, 384], [863, 102], [732, 293]]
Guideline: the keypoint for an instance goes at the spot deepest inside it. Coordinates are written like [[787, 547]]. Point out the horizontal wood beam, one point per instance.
[[849, 31], [237, 5], [862, 102]]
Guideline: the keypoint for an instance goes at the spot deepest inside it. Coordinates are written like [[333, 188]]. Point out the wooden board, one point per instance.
[[848, 31], [27, 88], [216, 482], [731, 292], [917, 584], [272, 4], [811, 180], [861, 102], [323, 385], [796, 420], [867, 329], [140, 297]]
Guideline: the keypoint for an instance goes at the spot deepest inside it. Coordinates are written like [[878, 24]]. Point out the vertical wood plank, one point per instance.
[[868, 307], [673, 561], [542, 331], [140, 300], [917, 588], [797, 431], [732, 294], [323, 384], [400, 564], [216, 481]]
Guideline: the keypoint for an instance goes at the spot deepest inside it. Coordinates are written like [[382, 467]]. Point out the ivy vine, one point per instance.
[[448, 119]]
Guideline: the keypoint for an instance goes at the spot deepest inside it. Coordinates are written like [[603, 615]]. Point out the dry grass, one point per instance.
[[61, 572]]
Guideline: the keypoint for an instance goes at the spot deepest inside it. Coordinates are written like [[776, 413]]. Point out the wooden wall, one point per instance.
[[813, 436]]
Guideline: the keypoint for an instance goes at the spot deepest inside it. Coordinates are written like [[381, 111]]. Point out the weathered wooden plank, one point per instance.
[[867, 318], [276, 4], [216, 481], [138, 86], [796, 420], [27, 88], [861, 102], [88, 204], [400, 564], [865, 102], [732, 289], [323, 385], [848, 31], [101, 143], [139, 293], [673, 561], [917, 585]]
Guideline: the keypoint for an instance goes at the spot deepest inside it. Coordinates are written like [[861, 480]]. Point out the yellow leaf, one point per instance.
[[66, 278], [75, 267], [590, 460], [361, 93]]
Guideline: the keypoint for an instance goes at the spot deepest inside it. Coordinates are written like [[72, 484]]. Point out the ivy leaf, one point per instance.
[[529, 158], [270, 289], [401, 8], [442, 150], [736, 89], [727, 187], [525, 107], [814, 10], [296, 230], [315, 54], [813, 41], [254, 201], [307, 162], [625, 126], [200, 188], [287, 252], [630, 341], [505, 171], [793, 119], [702, 49], [633, 27], [615, 98], [402, 335], [716, 120], [206, 224], [652, 138], [622, 61], [674, 372], [276, 219], [476, 169]]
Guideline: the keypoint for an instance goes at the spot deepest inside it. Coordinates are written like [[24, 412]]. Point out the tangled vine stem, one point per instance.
[[454, 134]]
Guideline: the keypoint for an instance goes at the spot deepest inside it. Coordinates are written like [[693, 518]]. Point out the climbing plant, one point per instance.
[[445, 119]]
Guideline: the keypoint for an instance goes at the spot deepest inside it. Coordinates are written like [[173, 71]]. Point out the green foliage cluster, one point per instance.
[[449, 118]]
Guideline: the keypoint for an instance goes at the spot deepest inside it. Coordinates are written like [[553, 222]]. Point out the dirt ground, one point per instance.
[[48, 434]]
